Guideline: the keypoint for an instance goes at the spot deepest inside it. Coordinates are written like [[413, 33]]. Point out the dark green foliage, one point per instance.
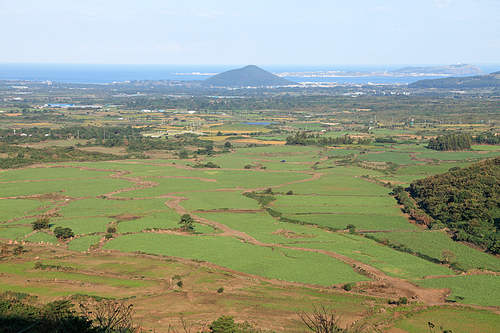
[[27, 156], [209, 165], [63, 233], [186, 222], [351, 228], [452, 141], [224, 324], [41, 223], [489, 138], [183, 154], [262, 199], [302, 138], [347, 287], [227, 145], [365, 141], [18, 250], [20, 313], [220, 290], [465, 200], [385, 140]]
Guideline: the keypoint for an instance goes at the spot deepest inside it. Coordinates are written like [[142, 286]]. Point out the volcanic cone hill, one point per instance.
[[249, 76]]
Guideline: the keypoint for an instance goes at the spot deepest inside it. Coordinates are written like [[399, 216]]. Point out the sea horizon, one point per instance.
[[109, 73]]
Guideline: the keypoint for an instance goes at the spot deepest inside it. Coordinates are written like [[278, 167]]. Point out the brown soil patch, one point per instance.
[[291, 234], [127, 217]]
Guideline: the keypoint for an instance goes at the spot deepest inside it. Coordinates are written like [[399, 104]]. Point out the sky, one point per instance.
[[260, 32]]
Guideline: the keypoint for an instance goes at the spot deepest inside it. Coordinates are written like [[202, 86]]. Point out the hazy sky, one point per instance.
[[270, 32]]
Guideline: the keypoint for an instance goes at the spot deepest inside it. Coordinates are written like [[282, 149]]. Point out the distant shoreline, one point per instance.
[[107, 74]]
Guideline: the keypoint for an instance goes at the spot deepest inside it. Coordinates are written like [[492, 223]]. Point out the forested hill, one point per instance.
[[466, 200], [249, 76], [460, 83]]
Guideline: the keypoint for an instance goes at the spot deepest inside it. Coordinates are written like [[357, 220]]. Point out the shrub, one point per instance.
[[41, 223], [220, 290], [225, 324], [351, 228], [18, 250], [347, 287], [63, 233]]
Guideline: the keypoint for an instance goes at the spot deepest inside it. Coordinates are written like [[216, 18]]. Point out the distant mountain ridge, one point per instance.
[[461, 83], [459, 69], [248, 76]]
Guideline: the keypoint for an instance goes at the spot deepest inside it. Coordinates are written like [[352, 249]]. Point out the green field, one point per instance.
[[455, 320], [481, 290], [283, 264], [433, 243], [361, 221], [343, 194]]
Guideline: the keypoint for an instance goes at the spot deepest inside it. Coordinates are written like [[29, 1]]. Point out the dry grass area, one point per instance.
[[277, 143], [107, 150], [150, 284]]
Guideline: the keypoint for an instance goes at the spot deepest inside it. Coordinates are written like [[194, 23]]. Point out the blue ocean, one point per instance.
[[101, 73]]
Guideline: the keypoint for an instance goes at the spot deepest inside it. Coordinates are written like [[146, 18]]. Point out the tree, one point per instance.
[[183, 154], [325, 320], [18, 250], [109, 315], [63, 233], [186, 222], [41, 223], [228, 145], [447, 255], [225, 324]]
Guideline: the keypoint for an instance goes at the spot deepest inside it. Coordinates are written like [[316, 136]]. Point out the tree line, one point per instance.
[[451, 141], [466, 200], [304, 139]]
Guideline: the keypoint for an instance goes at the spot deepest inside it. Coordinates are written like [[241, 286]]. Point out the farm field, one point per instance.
[[301, 248]]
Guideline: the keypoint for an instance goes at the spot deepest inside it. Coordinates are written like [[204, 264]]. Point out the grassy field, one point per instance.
[[433, 243], [282, 264], [265, 249], [485, 290], [455, 320], [16, 208], [361, 221], [391, 262]]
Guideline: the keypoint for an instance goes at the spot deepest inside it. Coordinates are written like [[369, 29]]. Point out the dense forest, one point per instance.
[[304, 139], [451, 141], [466, 200]]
